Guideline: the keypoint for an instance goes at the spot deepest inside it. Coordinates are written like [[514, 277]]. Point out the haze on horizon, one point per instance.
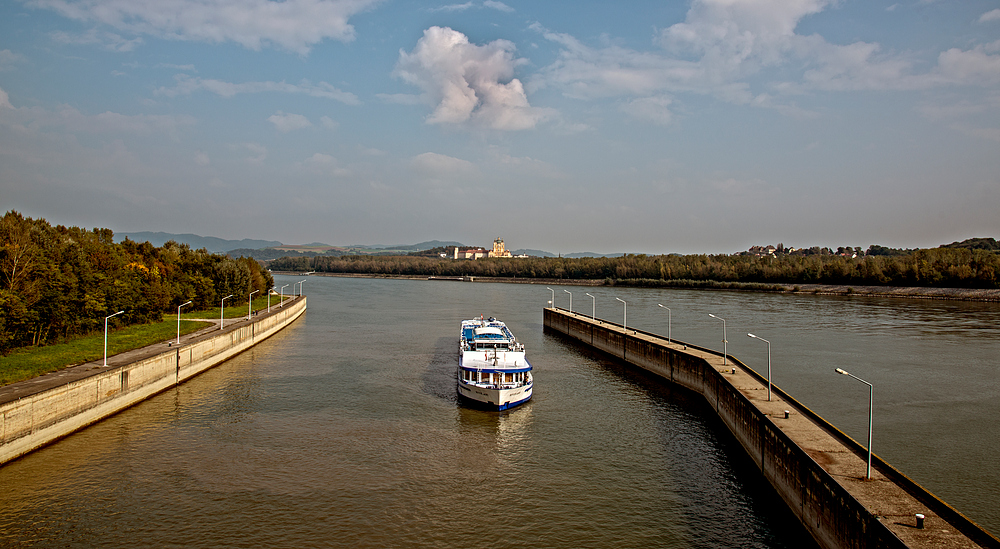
[[705, 126]]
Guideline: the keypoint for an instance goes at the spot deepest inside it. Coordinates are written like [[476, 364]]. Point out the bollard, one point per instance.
[[734, 370], [786, 414], [920, 521]]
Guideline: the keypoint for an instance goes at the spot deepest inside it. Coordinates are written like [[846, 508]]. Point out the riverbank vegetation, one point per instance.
[[945, 267], [58, 283]]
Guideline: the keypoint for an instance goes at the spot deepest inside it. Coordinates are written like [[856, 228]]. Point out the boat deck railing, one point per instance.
[[497, 386]]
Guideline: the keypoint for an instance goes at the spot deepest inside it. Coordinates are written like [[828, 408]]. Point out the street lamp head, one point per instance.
[[188, 302], [620, 299], [660, 305], [568, 292], [549, 289], [711, 315], [590, 295], [841, 371]]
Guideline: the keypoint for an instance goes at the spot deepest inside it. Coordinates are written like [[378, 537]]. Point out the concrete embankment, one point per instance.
[[36, 412], [816, 469]]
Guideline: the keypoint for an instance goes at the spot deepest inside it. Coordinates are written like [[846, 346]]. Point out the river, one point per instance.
[[344, 429]]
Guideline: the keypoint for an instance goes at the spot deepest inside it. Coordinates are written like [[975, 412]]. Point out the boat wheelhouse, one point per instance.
[[492, 370]]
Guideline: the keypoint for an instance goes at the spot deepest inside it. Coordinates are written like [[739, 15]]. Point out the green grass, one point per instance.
[[234, 311], [30, 362]]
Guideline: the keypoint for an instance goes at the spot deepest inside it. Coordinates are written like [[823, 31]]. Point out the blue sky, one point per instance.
[[647, 127]]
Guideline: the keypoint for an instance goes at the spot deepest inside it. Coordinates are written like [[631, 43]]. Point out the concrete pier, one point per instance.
[[816, 469], [38, 411]]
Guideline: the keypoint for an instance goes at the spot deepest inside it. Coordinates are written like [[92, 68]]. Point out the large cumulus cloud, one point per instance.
[[468, 83]]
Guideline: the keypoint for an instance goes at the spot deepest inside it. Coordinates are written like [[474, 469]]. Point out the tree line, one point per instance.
[[937, 267], [57, 282]]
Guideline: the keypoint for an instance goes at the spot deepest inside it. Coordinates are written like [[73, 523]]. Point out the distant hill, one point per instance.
[[210, 243], [591, 254], [417, 247], [975, 244], [533, 253]]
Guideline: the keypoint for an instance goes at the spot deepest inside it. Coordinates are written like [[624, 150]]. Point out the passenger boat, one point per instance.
[[492, 370]]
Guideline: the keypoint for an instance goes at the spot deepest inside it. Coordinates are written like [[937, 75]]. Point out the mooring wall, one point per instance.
[[832, 515], [33, 421]]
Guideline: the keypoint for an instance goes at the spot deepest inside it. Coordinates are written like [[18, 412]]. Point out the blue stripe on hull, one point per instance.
[[473, 403]]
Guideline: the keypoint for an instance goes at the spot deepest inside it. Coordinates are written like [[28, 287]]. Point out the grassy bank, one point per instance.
[[26, 363], [29, 362]]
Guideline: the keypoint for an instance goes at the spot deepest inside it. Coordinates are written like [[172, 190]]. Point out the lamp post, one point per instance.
[[553, 302], [281, 297], [222, 312], [593, 308], [868, 473], [249, 303], [668, 321], [768, 364], [300, 287], [269, 290], [725, 351], [179, 321], [624, 313], [106, 335], [570, 300]]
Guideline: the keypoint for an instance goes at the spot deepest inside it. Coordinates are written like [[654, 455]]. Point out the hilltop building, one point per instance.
[[499, 250]]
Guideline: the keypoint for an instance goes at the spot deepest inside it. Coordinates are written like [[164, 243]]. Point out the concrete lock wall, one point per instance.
[[31, 422], [832, 515]]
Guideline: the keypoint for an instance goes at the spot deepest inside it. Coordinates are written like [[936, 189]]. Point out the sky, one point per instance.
[[701, 126]]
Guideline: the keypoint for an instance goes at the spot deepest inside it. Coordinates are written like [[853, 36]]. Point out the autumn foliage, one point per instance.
[[57, 282]]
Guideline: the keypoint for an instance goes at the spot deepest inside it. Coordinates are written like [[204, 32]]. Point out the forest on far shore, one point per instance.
[[57, 282], [971, 264]]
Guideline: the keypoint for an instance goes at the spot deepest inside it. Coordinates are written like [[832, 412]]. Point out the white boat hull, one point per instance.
[[494, 399]]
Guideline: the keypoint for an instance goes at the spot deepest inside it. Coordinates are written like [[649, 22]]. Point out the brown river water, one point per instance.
[[344, 430]]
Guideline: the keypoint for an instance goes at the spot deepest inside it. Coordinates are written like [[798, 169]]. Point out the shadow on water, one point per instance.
[[440, 377], [702, 451]]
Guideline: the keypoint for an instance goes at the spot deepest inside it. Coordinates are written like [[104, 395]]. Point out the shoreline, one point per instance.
[[843, 290]]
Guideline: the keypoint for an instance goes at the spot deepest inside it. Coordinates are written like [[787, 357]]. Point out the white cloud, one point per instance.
[[188, 68], [66, 118], [651, 109], [726, 47], [187, 85], [201, 159], [285, 123], [8, 59], [440, 166], [400, 98], [453, 7], [499, 6], [992, 15], [975, 66], [739, 35], [107, 40], [328, 123], [326, 164], [467, 83], [295, 25], [258, 152]]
